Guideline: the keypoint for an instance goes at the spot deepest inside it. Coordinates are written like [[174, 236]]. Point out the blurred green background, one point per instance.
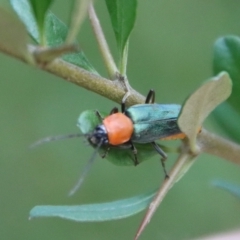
[[170, 51]]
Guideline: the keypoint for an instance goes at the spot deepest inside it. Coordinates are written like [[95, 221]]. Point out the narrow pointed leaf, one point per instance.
[[96, 212], [56, 33], [123, 15], [227, 58], [229, 187], [201, 103], [40, 9]]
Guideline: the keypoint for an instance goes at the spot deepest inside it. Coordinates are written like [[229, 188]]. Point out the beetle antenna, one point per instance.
[[55, 138], [85, 170]]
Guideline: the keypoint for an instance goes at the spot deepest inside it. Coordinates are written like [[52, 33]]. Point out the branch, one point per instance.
[[110, 89], [207, 142], [183, 159], [216, 145], [102, 43]]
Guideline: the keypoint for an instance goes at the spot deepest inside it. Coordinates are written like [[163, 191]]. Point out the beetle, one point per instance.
[[140, 123], [118, 155]]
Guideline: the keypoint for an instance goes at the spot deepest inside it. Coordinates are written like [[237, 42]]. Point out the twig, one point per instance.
[[102, 43], [110, 89]]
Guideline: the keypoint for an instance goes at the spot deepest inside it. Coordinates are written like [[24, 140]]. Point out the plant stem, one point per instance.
[[216, 145], [102, 43], [184, 159], [206, 141], [110, 89], [79, 12], [48, 54], [123, 61]]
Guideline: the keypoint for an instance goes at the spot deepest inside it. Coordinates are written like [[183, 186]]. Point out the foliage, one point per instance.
[[56, 51]]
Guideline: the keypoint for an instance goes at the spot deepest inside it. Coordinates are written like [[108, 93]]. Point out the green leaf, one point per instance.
[[123, 15], [55, 32], [96, 212], [39, 9], [13, 37], [58, 36], [229, 187], [227, 58], [87, 122], [201, 103], [228, 119]]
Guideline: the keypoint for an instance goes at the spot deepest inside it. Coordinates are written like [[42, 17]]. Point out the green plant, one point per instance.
[[77, 69]]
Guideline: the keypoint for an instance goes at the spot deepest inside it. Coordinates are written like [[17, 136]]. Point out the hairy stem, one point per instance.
[[110, 89], [102, 43]]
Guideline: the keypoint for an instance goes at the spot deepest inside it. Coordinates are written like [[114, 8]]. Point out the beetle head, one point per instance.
[[99, 136]]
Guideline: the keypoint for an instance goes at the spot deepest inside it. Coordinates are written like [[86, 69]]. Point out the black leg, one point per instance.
[[164, 167], [159, 150], [163, 159], [123, 107], [106, 152], [150, 97], [99, 115], [134, 150], [114, 110]]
